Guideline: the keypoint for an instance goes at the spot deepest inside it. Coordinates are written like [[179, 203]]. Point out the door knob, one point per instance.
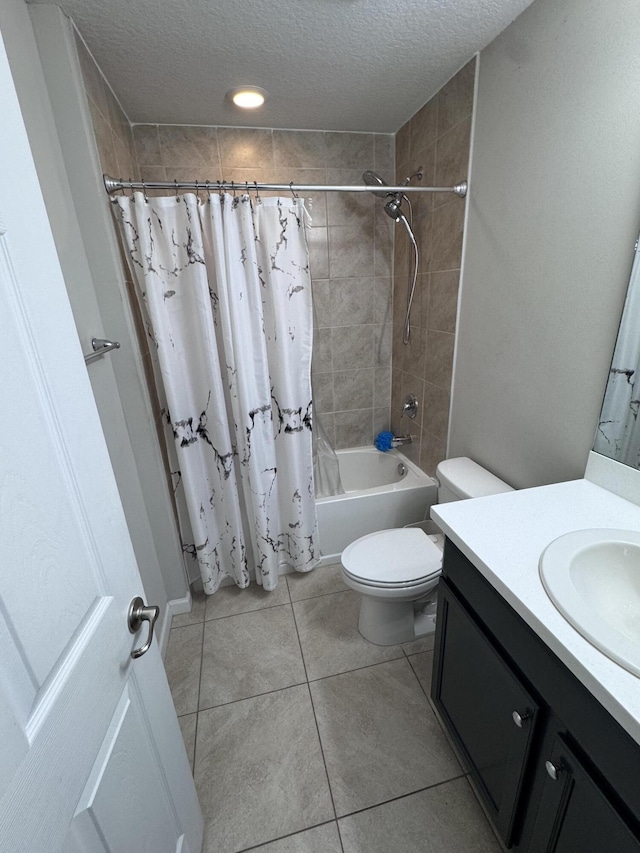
[[520, 719], [553, 770], [140, 612]]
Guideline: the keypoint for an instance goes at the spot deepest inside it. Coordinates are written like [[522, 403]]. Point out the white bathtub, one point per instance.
[[376, 497]]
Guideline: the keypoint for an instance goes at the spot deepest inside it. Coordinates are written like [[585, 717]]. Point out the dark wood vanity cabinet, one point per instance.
[[556, 772]]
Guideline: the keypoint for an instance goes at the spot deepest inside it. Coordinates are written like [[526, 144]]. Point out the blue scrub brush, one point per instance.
[[384, 441]]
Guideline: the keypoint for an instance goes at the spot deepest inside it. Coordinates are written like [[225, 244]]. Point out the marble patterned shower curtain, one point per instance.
[[225, 289], [618, 434]]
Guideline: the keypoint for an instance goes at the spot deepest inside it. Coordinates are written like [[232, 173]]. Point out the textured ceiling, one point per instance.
[[359, 65]]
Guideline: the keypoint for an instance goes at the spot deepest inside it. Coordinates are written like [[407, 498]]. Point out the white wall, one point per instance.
[[159, 560], [554, 211]]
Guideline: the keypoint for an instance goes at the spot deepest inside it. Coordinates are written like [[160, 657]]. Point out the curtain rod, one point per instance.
[[113, 184]]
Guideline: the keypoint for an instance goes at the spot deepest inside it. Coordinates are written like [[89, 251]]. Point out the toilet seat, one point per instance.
[[391, 559]]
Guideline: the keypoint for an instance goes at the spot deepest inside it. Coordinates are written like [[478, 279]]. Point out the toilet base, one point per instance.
[[387, 623]]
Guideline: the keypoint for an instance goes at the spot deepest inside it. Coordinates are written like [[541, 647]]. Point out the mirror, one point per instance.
[[618, 433]]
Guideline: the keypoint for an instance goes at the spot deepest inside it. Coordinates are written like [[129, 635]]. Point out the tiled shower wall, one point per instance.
[[437, 138], [350, 243]]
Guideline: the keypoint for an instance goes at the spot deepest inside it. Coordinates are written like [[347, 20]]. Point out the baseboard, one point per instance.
[[175, 606]]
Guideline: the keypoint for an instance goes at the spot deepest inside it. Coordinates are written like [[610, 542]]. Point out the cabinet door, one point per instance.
[[490, 715], [574, 813]]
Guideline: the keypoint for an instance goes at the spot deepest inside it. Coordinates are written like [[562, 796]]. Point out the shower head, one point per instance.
[[373, 179], [393, 205]]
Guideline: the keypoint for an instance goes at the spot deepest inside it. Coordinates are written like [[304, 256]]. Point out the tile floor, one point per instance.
[[305, 738]]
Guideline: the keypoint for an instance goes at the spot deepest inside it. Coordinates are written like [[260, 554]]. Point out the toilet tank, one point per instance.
[[462, 478]]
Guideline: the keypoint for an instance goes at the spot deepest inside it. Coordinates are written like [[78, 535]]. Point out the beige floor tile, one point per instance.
[[182, 664], [229, 600], [422, 644], [249, 654], [198, 605], [443, 819], [331, 643], [320, 581], [422, 665], [379, 735], [259, 770], [320, 839], [188, 729]]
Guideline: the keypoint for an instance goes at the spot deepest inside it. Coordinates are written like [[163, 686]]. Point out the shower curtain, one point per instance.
[[618, 434], [225, 291]]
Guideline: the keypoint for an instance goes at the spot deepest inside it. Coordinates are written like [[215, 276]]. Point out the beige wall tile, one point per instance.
[[402, 144], [382, 387], [147, 144], [452, 158], [435, 412], [353, 389], [245, 147], [354, 429], [432, 451], [299, 149], [439, 358], [352, 347], [189, 147], [382, 344], [317, 240], [455, 99], [322, 385], [352, 301], [443, 300], [322, 352], [382, 300], [349, 150], [349, 208], [384, 155], [321, 292], [446, 236], [423, 130], [351, 251]]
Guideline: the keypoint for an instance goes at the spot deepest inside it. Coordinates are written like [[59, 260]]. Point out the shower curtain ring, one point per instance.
[[293, 192], [257, 191], [175, 183], [208, 188], [233, 188], [219, 189], [197, 189], [144, 193]]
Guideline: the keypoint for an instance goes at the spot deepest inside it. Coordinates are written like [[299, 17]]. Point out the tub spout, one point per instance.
[[399, 440]]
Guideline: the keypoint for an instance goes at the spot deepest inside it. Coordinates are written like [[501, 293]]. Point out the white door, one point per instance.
[[91, 757]]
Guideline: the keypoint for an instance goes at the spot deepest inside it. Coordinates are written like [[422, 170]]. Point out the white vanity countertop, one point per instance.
[[504, 536]]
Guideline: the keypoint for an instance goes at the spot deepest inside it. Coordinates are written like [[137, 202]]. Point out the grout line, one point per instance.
[[245, 612], [289, 835], [403, 796], [195, 737], [315, 718], [254, 696]]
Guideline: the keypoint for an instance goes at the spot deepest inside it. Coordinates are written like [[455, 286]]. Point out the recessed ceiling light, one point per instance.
[[248, 97]]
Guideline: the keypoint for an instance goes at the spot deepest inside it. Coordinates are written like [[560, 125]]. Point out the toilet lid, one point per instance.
[[394, 556]]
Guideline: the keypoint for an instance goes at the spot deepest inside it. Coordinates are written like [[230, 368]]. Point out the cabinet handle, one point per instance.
[[520, 719], [553, 770]]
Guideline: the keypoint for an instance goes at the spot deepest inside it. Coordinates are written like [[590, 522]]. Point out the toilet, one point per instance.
[[397, 571]]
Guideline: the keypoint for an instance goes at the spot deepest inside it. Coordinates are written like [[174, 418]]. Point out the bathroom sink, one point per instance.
[[593, 578]]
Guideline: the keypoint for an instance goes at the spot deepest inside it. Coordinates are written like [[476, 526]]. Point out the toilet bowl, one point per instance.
[[396, 571]]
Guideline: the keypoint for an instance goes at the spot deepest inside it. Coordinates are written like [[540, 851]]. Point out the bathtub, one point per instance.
[[377, 496]]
